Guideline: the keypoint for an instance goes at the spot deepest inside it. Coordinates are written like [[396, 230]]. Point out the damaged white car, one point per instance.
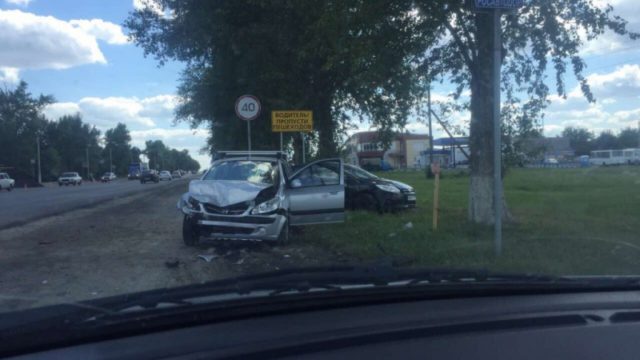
[[258, 197]]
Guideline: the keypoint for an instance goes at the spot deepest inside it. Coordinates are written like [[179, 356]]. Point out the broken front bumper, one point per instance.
[[236, 227]]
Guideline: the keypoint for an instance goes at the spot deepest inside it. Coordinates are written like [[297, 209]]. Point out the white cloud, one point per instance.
[[174, 137], [36, 42], [107, 112], [57, 110], [622, 82], [9, 75], [23, 3], [152, 5], [102, 30]]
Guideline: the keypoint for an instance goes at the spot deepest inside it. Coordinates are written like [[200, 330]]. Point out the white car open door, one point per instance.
[[316, 193]]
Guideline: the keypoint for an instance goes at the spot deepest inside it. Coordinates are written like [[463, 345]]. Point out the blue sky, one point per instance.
[[77, 51]]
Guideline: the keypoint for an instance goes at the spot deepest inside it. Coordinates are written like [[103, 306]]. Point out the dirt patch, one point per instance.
[[126, 245]]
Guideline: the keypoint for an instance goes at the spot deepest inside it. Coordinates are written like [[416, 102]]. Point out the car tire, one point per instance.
[[141, 182], [367, 202], [283, 237], [10, 188], [190, 233]]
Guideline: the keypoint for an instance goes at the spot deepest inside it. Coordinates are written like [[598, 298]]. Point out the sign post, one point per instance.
[[496, 7], [248, 108], [292, 121]]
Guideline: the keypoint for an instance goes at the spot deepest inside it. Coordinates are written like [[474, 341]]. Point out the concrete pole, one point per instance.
[[88, 172], [38, 153], [430, 128]]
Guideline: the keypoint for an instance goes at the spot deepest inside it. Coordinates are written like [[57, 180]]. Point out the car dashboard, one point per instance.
[[599, 325]]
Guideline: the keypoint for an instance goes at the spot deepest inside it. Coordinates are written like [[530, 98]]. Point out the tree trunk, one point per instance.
[[326, 128], [481, 190]]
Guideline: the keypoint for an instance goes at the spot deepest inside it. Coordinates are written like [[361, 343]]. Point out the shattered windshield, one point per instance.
[[260, 172]]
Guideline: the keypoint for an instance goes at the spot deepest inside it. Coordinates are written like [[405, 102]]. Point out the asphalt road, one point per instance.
[[130, 244], [21, 206]]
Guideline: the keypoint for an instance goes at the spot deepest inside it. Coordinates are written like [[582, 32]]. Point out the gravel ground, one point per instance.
[[125, 245]]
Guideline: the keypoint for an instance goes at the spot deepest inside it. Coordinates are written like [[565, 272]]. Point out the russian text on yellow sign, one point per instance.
[[283, 121]]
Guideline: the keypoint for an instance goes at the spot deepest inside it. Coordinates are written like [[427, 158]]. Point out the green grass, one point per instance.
[[567, 221]]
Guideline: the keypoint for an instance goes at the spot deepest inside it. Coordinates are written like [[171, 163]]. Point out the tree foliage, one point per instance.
[[162, 157], [337, 58], [21, 124]]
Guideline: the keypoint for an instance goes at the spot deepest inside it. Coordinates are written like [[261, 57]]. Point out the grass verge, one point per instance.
[[567, 221]]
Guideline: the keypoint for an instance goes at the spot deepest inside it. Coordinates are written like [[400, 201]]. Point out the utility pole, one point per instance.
[[88, 177], [110, 161], [38, 153], [430, 128]]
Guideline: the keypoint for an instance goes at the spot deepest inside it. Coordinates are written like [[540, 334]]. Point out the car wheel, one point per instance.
[[367, 202], [141, 182], [190, 233], [10, 188], [283, 237]]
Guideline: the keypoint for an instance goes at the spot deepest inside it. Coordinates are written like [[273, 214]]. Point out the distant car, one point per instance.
[[551, 161], [365, 190], [69, 178], [149, 175], [165, 175], [6, 182], [108, 176], [176, 174]]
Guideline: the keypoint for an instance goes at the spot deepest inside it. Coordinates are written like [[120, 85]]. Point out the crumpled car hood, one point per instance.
[[224, 192]]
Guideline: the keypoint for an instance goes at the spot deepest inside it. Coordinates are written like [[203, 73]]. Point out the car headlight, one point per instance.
[[388, 188], [193, 204], [266, 207]]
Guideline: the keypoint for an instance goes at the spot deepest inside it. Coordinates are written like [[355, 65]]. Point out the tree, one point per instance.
[[117, 149], [69, 140], [540, 33], [337, 58], [20, 126], [606, 141], [629, 138], [162, 157], [580, 139]]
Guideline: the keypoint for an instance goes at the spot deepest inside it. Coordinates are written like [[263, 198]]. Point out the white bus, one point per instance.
[[615, 157]]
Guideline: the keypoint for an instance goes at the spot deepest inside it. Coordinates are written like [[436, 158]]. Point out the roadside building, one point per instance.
[[364, 149]]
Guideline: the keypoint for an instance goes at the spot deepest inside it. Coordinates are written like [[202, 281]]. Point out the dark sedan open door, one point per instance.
[[316, 193]]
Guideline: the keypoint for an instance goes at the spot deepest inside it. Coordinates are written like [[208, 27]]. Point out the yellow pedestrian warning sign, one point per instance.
[[292, 120]]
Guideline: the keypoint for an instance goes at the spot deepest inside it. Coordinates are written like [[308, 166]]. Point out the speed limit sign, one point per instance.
[[247, 107]]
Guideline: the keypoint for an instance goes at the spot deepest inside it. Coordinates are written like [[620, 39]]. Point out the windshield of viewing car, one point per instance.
[[311, 134], [259, 172]]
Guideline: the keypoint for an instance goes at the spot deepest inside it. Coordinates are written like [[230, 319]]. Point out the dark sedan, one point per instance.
[[149, 175], [365, 190]]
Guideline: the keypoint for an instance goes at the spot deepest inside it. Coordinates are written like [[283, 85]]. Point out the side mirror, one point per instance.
[[295, 183]]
